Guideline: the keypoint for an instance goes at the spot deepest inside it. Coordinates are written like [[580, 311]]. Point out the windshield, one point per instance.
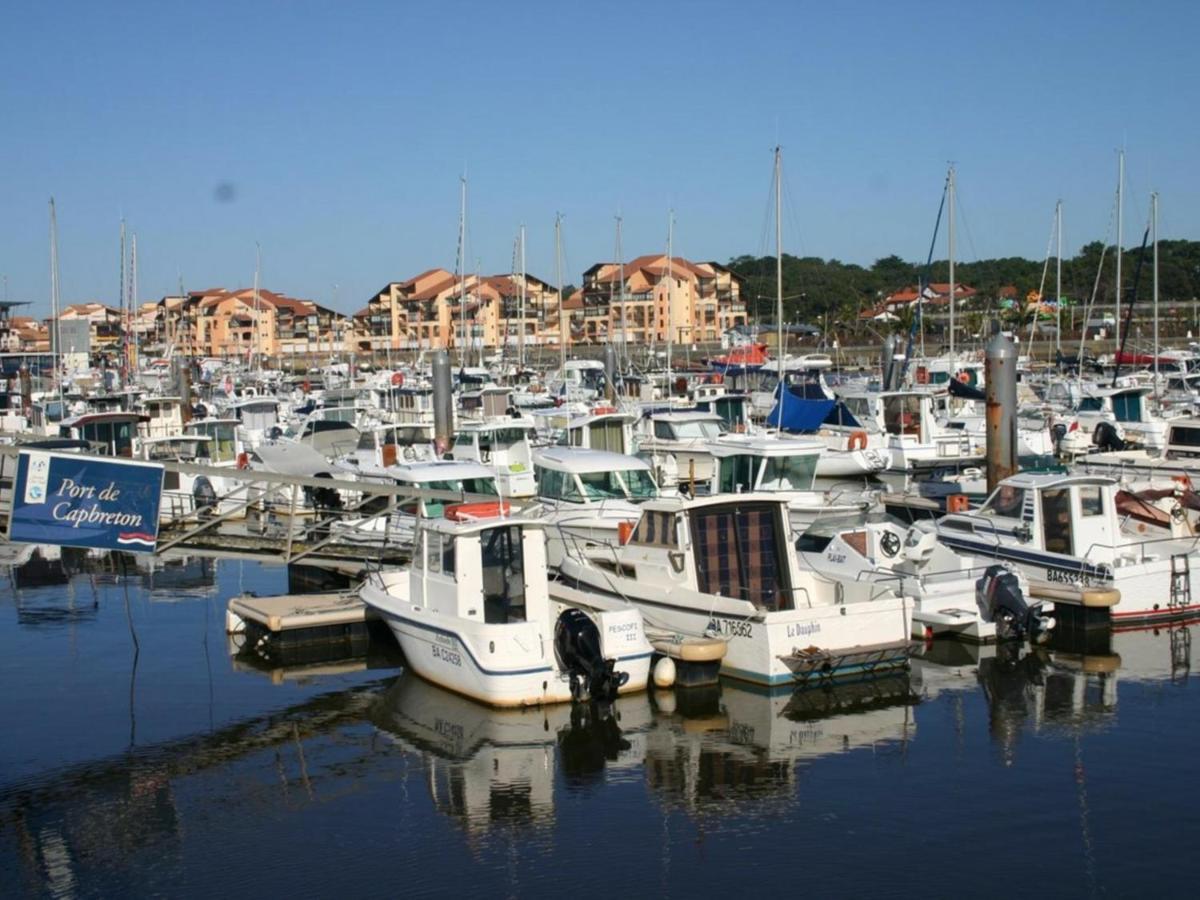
[[704, 430], [1006, 501], [789, 473], [640, 484]]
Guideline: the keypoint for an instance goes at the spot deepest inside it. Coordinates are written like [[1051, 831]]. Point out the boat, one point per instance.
[[587, 495], [473, 614], [503, 444], [724, 567], [954, 596], [1077, 540]]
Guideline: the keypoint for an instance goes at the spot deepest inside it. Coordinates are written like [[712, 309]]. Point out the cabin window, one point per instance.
[[655, 529], [730, 410], [1007, 501], [439, 553], [550, 483], [902, 415], [1184, 440], [366, 441], [737, 473], [1091, 500], [1127, 407], [501, 553], [663, 430], [602, 486], [1091, 404], [609, 435], [738, 555], [789, 473], [703, 430], [640, 484], [1056, 520]]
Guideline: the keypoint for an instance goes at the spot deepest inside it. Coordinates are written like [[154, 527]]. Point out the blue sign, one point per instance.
[[85, 501]]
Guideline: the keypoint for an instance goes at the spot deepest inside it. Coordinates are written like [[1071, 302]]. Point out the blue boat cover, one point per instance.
[[800, 414]]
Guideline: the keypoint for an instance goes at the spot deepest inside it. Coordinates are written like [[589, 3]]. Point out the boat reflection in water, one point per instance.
[[698, 749], [1070, 683]]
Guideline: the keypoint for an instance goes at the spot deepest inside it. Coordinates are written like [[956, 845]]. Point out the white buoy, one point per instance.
[[664, 672]]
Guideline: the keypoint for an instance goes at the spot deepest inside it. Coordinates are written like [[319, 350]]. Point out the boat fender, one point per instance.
[[577, 649], [664, 672], [857, 441]]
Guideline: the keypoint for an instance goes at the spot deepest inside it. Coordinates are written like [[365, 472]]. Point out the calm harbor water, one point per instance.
[[143, 754]]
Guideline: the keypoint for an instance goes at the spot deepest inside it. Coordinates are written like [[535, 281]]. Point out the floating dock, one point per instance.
[[292, 620]]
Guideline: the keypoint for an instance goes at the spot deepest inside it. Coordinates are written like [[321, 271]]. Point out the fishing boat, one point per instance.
[[1077, 539], [473, 614], [724, 567]]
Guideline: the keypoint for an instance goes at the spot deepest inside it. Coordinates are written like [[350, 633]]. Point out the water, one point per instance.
[[183, 770]]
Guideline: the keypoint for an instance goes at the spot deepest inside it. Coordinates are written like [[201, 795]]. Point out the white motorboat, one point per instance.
[[503, 444], [723, 567], [586, 495], [473, 614], [1071, 539], [954, 597], [676, 446]]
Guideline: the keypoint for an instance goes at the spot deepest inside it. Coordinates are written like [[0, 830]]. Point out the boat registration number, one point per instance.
[[453, 657], [730, 628], [1066, 576]]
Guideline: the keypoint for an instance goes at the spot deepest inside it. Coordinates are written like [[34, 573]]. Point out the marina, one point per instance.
[[661, 450]]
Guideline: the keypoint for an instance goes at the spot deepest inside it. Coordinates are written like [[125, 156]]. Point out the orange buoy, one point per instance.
[[397, 379], [957, 503], [470, 512], [964, 377], [857, 441]]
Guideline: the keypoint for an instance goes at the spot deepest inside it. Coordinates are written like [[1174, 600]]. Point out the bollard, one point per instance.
[[1000, 373], [443, 403]]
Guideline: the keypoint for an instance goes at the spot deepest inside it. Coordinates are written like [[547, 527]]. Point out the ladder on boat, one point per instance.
[[1181, 582]]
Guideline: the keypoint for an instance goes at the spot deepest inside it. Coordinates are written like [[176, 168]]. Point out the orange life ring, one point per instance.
[[957, 503], [1184, 481], [470, 512], [857, 441], [964, 378], [603, 410], [397, 379]]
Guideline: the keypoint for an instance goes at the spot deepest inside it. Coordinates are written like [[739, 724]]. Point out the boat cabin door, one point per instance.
[[503, 572]]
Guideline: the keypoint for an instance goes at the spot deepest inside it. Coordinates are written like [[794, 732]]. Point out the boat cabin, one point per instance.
[[601, 429], [474, 569], [443, 475], [744, 464], [110, 433], [572, 476], [732, 548], [386, 445], [682, 426], [412, 403], [503, 444], [732, 409], [1183, 439], [257, 414], [164, 416], [222, 446], [1070, 515], [489, 402]]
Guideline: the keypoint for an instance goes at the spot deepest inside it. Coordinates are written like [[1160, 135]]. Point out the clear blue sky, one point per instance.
[[343, 129]]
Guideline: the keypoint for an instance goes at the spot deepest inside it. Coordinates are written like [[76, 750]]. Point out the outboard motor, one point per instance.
[[1106, 437], [577, 647], [204, 495], [1001, 600]]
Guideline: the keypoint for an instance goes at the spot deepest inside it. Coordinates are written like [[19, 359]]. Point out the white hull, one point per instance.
[[509, 664]]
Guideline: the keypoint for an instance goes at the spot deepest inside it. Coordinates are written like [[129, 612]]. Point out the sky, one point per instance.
[[335, 135]]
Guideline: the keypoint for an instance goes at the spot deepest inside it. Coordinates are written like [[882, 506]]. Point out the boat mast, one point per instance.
[[779, 338], [624, 323], [462, 274], [670, 294], [950, 249], [131, 347], [125, 374], [1154, 231], [54, 301], [1120, 241], [1058, 279], [257, 311], [562, 319], [521, 314]]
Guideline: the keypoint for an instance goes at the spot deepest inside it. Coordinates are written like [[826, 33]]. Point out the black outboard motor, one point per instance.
[[577, 647], [1001, 600], [1106, 437]]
